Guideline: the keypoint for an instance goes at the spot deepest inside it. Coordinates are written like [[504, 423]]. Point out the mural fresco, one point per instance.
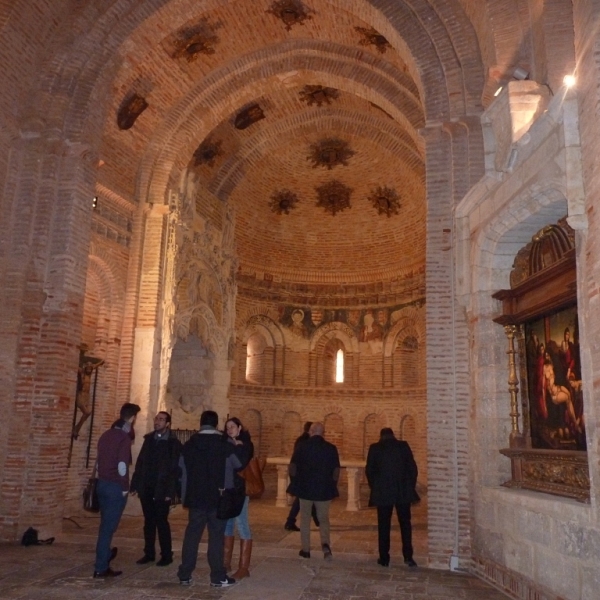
[[369, 325], [554, 382]]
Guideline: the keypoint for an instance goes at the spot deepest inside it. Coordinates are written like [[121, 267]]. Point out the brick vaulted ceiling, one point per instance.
[[375, 110], [93, 55]]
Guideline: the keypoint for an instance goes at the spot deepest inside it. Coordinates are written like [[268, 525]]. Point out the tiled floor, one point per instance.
[[64, 570]]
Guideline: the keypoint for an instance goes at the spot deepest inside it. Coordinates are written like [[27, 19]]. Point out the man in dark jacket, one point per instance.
[[392, 475], [155, 481], [314, 471], [204, 457], [290, 523]]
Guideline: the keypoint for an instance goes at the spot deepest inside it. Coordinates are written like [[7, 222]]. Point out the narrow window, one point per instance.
[[339, 367]]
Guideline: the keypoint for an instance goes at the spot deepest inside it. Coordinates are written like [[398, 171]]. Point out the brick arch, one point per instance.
[[109, 291], [372, 424], [410, 318], [290, 430], [388, 136], [447, 45], [244, 315], [407, 420], [271, 330], [335, 329]]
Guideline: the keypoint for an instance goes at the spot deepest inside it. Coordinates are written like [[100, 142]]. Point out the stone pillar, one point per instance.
[[145, 371]]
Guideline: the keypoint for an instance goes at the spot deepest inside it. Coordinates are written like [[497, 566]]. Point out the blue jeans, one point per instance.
[[112, 504], [242, 523]]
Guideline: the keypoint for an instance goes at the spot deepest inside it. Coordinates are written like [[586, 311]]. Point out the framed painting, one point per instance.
[[554, 382], [539, 312]]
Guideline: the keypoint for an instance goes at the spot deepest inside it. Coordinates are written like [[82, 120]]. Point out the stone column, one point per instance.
[[354, 476], [282, 483]]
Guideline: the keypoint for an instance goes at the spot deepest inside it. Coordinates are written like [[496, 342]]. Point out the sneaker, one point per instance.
[[224, 583], [291, 527], [144, 560], [410, 563], [327, 555], [108, 573], [187, 581], [304, 554]]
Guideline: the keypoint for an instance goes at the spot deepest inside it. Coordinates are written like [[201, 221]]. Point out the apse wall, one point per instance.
[[285, 362]]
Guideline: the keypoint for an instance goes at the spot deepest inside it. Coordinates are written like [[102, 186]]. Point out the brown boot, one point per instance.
[[228, 552], [245, 554]]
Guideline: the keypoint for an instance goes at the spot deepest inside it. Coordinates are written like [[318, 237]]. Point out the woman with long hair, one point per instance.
[[235, 433]]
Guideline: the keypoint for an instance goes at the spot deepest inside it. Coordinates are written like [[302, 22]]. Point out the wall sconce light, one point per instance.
[[520, 73], [94, 202]]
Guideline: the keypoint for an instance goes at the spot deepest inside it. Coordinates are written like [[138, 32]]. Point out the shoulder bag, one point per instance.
[[90, 493], [252, 474]]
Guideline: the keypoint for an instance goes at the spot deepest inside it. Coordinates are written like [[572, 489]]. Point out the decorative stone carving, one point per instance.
[[283, 201], [131, 108], [548, 246], [386, 200], [330, 153], [207, 152], [372, 37], [333, 196], [318, 94], [554, 472], [291, 12], [248, 116], [197, 39]]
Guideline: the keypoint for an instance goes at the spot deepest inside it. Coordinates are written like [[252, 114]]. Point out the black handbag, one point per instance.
[[231, 502], [90, 494]]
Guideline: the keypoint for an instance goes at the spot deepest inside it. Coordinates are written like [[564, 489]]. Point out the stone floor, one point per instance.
[[64, 570]]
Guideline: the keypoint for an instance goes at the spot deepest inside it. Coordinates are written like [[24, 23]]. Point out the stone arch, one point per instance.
[[512, 227], [207, 330]]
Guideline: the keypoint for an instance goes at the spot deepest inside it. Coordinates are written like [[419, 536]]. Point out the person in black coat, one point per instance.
[[155, 481], [290, 522], [392, 475], [204, 475], [314, 471]]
